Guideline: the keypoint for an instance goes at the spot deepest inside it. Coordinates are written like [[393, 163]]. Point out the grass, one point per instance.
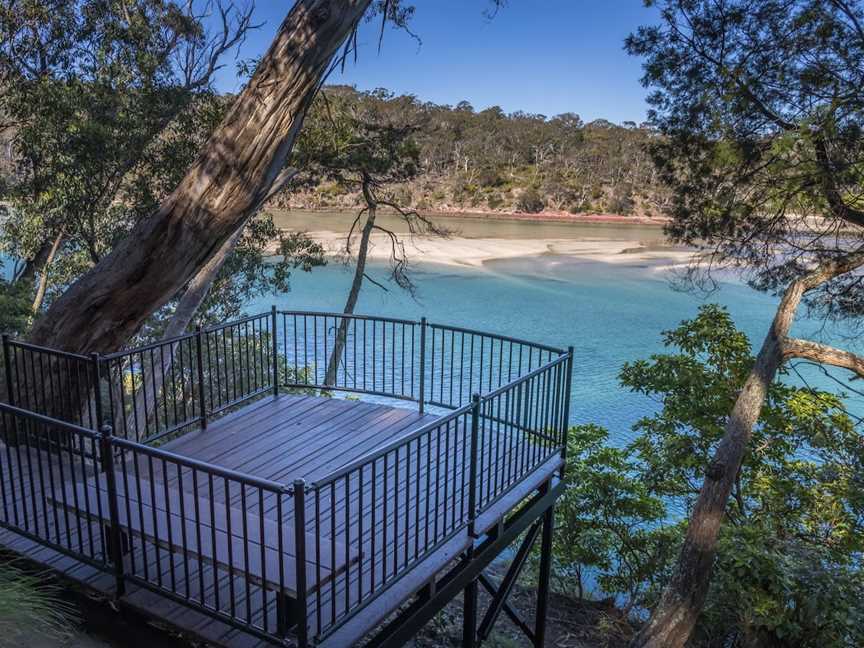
[[31, 606]]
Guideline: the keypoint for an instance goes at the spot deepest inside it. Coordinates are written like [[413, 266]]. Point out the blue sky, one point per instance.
[[540, 56]]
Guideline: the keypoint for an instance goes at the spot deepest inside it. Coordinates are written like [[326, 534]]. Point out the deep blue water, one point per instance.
[[609, 313]]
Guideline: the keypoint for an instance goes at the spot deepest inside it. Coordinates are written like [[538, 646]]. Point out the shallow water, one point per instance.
[[609, 313]]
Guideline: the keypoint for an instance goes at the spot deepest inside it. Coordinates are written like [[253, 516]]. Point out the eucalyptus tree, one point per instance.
[[235, 172], [88, 89], [761, 104]]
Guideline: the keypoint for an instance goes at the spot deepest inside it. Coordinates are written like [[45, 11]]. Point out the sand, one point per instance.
[[475, 252]]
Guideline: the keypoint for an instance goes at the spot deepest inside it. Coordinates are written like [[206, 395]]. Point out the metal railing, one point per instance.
[[405, 500], [272, 559]]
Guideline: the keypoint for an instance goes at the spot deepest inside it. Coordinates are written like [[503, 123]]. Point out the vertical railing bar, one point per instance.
[[199, 352], [300, 565], [274, 350], [113, 511], [472, 480], [422, 363]]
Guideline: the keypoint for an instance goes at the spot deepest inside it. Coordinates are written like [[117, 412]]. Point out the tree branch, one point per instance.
[[824, 354]]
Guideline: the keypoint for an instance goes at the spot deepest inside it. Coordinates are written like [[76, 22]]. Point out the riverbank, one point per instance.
[[475, 252], [478, 238], [545, 216]]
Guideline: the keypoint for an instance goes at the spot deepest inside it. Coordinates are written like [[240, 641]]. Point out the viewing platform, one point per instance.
[[290, 478]]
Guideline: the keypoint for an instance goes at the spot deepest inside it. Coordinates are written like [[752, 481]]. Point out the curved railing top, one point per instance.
[[161, 388], [416, 360]]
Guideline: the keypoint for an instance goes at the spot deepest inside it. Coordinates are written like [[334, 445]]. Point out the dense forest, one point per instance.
[[488, 160]]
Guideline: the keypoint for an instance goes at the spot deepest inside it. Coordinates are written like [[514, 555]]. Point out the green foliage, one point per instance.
[[761, 108], [15, 301], [531, 201], [462, 153], [108, 104], [342, 141], [789, 568], [604, 517]]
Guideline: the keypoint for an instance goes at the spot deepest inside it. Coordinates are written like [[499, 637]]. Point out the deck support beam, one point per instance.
[[469, 615], [545, 572], [502, 593], [447, 587]]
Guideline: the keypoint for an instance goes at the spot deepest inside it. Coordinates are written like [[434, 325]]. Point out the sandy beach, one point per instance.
[[474, 252]]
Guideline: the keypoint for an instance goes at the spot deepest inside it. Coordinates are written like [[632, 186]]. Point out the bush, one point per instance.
[[788, 570], [489, 177], [494, 200], [531, 202]]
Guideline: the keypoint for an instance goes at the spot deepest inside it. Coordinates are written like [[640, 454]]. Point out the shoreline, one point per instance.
[[546, 216], [477, 252]]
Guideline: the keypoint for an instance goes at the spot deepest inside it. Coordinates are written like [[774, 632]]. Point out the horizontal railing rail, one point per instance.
[[230, 531], [39, 456]]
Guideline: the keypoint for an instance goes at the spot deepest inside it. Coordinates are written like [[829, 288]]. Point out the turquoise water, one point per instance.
[[609, 313]]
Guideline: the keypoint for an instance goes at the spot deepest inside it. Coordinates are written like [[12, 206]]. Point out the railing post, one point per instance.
[[568, 385], [472, 476], [274, 351], [422, 363], [199, 351], [97, 389], [114, 533], [300, 567], [7, 362]]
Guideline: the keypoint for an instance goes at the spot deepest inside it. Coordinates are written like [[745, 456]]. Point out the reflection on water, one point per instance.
[[609, 313]]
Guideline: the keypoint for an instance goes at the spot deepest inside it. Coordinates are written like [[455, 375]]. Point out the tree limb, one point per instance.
[[824, 354]]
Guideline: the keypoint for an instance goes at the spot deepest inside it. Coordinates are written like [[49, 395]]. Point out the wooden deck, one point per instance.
[[297, 437], [281, 439]]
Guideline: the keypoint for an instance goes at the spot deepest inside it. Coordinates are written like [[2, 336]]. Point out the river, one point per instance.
[[610, 312]]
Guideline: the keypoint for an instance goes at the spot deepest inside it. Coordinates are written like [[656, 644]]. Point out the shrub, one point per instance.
[[530, 201], [494, 200]]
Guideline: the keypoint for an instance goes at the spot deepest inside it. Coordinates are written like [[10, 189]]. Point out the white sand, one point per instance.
[[457, 251]]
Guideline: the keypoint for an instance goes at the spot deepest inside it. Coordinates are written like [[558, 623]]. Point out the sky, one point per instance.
[[538, 56]]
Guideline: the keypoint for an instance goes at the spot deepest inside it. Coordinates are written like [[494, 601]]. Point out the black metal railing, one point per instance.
[[211, 538], [81, 473], [355, 353], [153, 391], [50, 382], [39, 457], [401, 503]]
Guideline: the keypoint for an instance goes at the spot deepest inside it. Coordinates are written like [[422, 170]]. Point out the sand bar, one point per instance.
[[474, 252]]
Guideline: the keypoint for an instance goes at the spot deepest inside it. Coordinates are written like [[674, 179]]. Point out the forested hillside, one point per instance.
[[489, 160]]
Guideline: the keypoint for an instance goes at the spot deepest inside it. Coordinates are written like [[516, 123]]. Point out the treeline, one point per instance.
[[492, 160]]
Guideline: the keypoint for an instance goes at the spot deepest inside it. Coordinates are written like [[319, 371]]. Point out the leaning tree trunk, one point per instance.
[[354, 293], [226, 184], [43, 279], [675, 616], [187, 306]]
